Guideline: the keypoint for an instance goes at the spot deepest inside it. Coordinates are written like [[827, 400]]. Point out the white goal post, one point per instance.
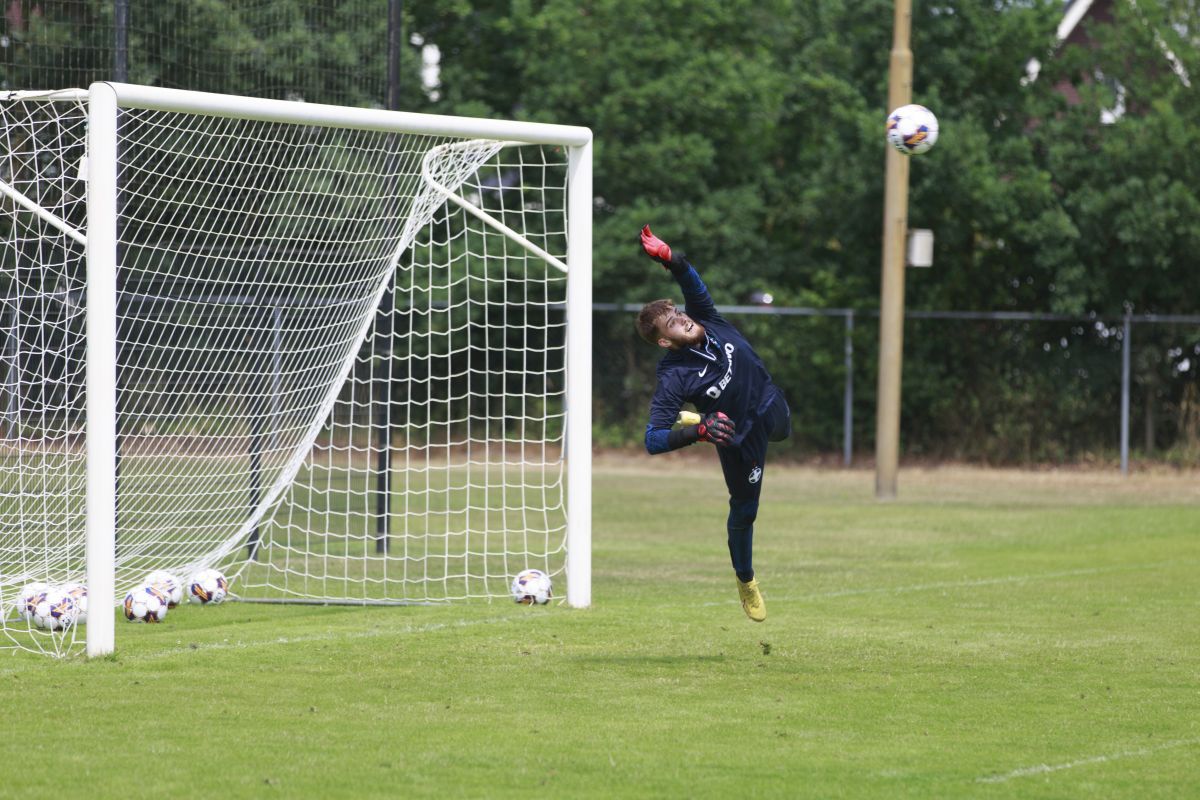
[[342, 354]]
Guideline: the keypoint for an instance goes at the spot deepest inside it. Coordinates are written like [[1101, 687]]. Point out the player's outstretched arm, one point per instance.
[[699, 303], [660, 251]]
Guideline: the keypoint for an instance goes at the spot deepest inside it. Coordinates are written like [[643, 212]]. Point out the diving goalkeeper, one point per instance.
[[710, 364]]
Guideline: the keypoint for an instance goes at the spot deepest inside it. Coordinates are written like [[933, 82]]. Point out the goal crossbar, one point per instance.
[[156, 98]]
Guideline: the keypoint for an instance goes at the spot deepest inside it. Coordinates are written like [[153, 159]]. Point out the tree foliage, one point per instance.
[[749, 133]]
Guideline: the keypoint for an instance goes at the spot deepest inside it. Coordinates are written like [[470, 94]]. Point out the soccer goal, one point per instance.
[[342, 355]]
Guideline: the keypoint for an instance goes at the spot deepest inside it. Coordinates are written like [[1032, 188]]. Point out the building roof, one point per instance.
[[1075, 11]]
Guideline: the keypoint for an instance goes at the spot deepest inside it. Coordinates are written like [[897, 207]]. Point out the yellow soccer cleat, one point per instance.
[[752, 600]]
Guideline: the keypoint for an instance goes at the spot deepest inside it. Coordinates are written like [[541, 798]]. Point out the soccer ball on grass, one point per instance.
[[55, 610], [912, 129], [78, 593], [532, 586], [168, 584], [28, 598], [207, 587], [145, 603]]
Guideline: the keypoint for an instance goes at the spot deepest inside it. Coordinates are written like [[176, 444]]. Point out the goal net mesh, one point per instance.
[[332, 384]]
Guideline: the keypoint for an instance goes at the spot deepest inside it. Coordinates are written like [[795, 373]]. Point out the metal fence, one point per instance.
[[1113, 329], [827, 366], [338, 53]]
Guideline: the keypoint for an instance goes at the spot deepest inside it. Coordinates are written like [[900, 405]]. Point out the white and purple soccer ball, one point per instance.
[[27, 598], [55, 610], [207, 587], [532, 587], [912, 129], [168, 584], [78, 592], [145, 603]]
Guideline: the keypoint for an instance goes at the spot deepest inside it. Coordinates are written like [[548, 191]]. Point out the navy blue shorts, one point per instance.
[[743, 465]]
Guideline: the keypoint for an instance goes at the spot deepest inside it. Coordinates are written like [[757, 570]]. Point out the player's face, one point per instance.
[[677, 330]]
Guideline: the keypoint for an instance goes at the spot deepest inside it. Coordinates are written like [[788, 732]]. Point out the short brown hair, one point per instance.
[[647, 320]]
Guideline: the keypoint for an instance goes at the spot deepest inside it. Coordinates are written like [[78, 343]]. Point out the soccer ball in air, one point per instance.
[[78, 593], [168, 584], [912, 129], [28, 598], [207, 587], [145, 603], [532, 586], [55, 610]]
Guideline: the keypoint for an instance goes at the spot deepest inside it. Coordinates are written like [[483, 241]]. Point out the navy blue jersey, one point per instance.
[[722, 374]]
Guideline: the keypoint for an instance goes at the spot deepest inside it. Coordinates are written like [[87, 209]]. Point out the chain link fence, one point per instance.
[[991, 387], [344, 53]]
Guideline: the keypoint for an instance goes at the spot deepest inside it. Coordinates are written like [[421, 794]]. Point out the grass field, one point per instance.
[[990, 634]]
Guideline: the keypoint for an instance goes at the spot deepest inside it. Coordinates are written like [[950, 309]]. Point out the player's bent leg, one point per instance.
[[779, 420]]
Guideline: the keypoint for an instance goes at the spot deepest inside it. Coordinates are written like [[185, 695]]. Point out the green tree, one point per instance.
[[750, 134]]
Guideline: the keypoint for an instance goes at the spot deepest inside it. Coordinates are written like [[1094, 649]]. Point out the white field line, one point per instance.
[[1044, 769], [963, 584]]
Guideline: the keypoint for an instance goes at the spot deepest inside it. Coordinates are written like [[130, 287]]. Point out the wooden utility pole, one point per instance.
[[891, 299]]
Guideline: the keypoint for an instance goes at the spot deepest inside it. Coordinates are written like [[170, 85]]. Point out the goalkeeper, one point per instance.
[[710, 364]]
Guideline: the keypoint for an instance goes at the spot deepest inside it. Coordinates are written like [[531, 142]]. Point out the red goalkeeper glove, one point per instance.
[[716, 428], [656, 248]]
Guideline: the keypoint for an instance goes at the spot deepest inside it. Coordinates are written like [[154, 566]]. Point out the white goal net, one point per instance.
[[332, 382]]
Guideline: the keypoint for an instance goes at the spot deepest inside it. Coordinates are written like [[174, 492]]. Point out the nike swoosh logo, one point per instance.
[[703, 371]]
